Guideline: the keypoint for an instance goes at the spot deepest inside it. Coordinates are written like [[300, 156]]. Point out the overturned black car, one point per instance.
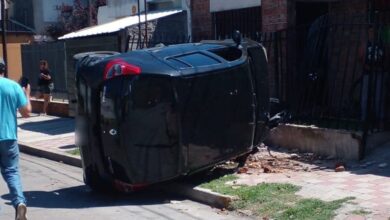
[[152, 115]]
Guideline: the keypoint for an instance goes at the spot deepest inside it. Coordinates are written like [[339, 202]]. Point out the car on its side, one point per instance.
[[152, 115]]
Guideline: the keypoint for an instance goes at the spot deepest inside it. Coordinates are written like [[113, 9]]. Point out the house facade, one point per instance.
[[212, 18], [218, 18], [115, 9], [16, 35], [38, 14], [315, 51], [282, 14]]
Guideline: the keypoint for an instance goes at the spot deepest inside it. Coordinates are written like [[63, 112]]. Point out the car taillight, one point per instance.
[[119, 67], [125, 187]]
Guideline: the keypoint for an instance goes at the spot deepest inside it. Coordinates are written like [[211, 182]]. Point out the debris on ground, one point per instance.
[[246, 212], [340, 168], [279, 160], [242, 170]]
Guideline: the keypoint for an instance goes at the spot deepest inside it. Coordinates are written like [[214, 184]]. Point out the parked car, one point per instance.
[[153, 115]]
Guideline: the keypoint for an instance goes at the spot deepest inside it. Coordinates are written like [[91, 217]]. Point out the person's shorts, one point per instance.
[[45, 89]]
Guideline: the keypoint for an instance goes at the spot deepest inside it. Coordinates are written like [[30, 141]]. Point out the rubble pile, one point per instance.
[[269, 160]]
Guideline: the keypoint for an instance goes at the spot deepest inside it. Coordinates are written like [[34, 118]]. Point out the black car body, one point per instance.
[[152, 115]]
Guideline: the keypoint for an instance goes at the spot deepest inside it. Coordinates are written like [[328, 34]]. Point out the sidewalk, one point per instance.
[[368, 181], [48, 136]]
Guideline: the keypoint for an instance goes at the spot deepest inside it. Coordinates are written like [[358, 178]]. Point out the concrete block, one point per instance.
[[201, 195], [55, 108], [325, 142]]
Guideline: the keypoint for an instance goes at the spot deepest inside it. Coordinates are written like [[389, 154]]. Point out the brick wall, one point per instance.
[[350, 6], [280, 14], [275, 15], [201, 20]]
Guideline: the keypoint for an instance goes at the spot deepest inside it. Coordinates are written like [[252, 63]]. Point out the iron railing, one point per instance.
[[323, 75]]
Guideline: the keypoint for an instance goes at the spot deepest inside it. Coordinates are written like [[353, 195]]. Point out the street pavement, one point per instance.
[[366, 180], [56, 191]]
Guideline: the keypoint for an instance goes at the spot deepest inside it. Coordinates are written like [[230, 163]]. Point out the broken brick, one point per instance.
[[340, 169]]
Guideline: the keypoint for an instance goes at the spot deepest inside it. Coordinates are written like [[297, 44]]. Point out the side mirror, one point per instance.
[[237, 37]]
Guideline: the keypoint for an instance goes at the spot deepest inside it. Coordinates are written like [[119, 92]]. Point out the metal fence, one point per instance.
[[54, 53], [59, 56], [247, 20], [334, 73]]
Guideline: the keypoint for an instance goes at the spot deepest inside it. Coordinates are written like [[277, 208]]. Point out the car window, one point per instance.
[[193, 60], [228, 53]]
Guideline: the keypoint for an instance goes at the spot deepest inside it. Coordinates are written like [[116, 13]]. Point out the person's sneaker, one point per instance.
[[21, 212]]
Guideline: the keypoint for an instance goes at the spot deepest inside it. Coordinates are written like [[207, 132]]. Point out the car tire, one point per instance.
[[97, 183]]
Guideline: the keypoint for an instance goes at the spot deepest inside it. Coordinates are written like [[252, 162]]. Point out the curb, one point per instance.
[[198, 194], [201, 195], [66, 159]]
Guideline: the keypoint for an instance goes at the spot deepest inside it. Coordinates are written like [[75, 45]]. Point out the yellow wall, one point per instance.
[[18, 38], [14, 60]]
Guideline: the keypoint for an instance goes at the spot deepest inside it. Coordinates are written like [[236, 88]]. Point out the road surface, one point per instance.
[[56, 191]]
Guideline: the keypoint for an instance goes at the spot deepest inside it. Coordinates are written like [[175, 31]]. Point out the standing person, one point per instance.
[[45, 84], [12, 98]]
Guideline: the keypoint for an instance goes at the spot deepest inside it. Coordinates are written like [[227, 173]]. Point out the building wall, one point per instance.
[[224, 5], [118, 9], [209, 16], [201, 20], [275, 15], [14, 60], [123, 8], [350, 6], [37, 14], [245, 20], [46, 13], [164, 5], [18, 38], [280, 14], [14, 42], [21, 11], [174, 26]]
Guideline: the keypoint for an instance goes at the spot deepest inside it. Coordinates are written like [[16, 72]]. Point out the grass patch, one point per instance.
[[361, 212], [219, 184], [75, 152], [313, 209], [274, 200]]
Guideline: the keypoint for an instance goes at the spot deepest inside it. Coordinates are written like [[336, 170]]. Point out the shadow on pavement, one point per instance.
[[82, 197], [376, 162], [50, 127]]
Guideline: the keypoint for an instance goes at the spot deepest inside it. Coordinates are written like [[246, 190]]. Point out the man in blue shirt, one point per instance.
[[12, 98]]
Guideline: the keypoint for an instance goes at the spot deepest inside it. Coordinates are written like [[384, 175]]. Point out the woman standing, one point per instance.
[[45, 84]]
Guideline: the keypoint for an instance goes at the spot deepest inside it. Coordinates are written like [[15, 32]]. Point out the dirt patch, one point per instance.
[[279, 160]]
